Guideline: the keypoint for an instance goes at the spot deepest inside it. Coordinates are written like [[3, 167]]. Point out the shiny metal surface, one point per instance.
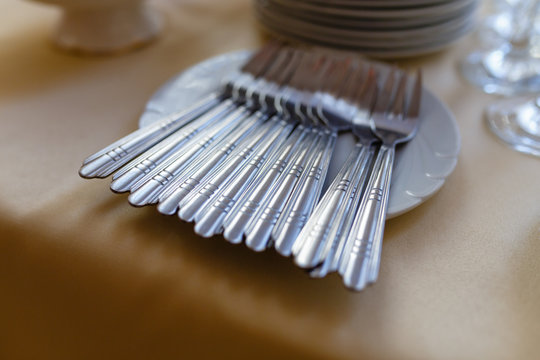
[[210, 218], [259, 230], [314, 244], [106, 161], [213, 122], [177, 189], [305, 197], [251, 161], [393, 124], [211, 184], [241, 214]]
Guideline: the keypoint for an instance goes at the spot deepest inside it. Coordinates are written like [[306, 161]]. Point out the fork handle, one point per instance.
[[304, 198], [369, 222], [311, 241], [111, 158], [260, 228], [375, 261]]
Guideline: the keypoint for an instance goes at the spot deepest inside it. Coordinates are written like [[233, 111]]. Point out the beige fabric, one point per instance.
[[84, 275]]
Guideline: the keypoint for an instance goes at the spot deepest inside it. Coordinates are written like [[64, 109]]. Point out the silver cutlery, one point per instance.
[[313, 244], [394, 123], [211, 184], [111, 158], [250, 159], [305, 195], [259, 230], [210, 218], [174, 192], [222, 117], [241, 214], [146, 189]]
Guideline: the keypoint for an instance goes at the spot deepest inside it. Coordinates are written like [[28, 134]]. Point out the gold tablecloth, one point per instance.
[[83, 275]]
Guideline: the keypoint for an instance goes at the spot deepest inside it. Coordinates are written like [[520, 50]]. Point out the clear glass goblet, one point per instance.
[[516, 121], [513, 66]]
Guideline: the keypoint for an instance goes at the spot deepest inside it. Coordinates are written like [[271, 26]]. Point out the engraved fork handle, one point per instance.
[[369, 222], [241, 214], [259, 230], [109, 159], [375, 261], [311, 241], [147, 189], [210, 129], [210, 219], [344, 218], [178, 189], [306, 195], [193, 203]]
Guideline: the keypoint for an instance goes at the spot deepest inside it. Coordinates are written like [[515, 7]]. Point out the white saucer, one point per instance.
[[421, 165]]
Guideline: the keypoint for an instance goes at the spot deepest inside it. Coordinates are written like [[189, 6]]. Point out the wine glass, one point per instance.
[[510, 67], [496, 26], [516, 121], [513, 66]]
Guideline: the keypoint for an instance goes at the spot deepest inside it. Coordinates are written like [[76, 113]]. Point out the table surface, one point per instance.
[[85, 275]]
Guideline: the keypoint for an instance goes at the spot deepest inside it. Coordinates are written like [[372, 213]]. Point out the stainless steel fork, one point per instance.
[[393, 125], [113, 157], [314, 245]]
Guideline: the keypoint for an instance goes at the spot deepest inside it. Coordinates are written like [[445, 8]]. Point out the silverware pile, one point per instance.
[[249, 161]]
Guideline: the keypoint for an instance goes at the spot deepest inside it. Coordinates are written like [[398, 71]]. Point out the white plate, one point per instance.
[[376, 3], [356, 23], [373, 13], [372, 37], [380, 51], [387, 38], [421, 165], [361, 24]]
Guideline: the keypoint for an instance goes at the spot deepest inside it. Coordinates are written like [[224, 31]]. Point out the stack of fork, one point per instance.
[[250, 160]]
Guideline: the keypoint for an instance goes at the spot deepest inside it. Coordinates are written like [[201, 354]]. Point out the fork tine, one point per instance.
[[414, 104], [336, 84], [367, 95], [353, 81], [398, 108], [297, 78], [254, 60], [313, 73], [290, 68], [359, 83], [318, 73], [383, 101], [327, 72], [277, 66], [262, 59]]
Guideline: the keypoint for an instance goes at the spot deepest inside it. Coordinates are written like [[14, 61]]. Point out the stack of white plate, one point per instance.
[[379, 28]]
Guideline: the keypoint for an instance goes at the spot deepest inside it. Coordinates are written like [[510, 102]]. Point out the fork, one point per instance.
[[314, 245], [111, 158], [281, 93], [261, 94], [392, 125], [281, 217], [258, 94]]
